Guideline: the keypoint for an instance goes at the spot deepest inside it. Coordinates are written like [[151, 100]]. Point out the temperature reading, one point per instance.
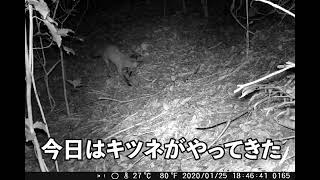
[[136, 175], [164, 175]]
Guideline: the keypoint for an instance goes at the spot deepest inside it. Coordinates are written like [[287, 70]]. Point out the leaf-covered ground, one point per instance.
[[191, 68]]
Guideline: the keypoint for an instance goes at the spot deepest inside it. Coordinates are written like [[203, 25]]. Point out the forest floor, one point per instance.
[[191, 67]]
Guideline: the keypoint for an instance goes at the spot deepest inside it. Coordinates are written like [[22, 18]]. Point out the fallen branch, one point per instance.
[[288, 65]]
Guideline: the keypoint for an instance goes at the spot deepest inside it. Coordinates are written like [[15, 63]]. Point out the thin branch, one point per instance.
[[289, 65], [278, 7]]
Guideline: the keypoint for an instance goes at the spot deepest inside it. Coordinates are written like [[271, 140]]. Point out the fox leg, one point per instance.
[[125, 76], [108, 68]]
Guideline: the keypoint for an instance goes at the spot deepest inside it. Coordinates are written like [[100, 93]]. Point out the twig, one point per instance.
[[224, 130], [125, 101], [234, 16], [97, 92], [226, 127], [278, 7], [85, 11], [64, 82], [285, 138], [111, 99], [142, 157], [55, 9], [29, 80], [289, 65], [227, 75], [231, 120], [123, 130], [69, 12], [215, 46], [247, 32], [53, 67]]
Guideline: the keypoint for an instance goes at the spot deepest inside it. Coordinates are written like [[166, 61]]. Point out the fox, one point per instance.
[[125, 64]]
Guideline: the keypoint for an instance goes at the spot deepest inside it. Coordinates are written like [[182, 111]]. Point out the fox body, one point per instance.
[[125, 65]]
